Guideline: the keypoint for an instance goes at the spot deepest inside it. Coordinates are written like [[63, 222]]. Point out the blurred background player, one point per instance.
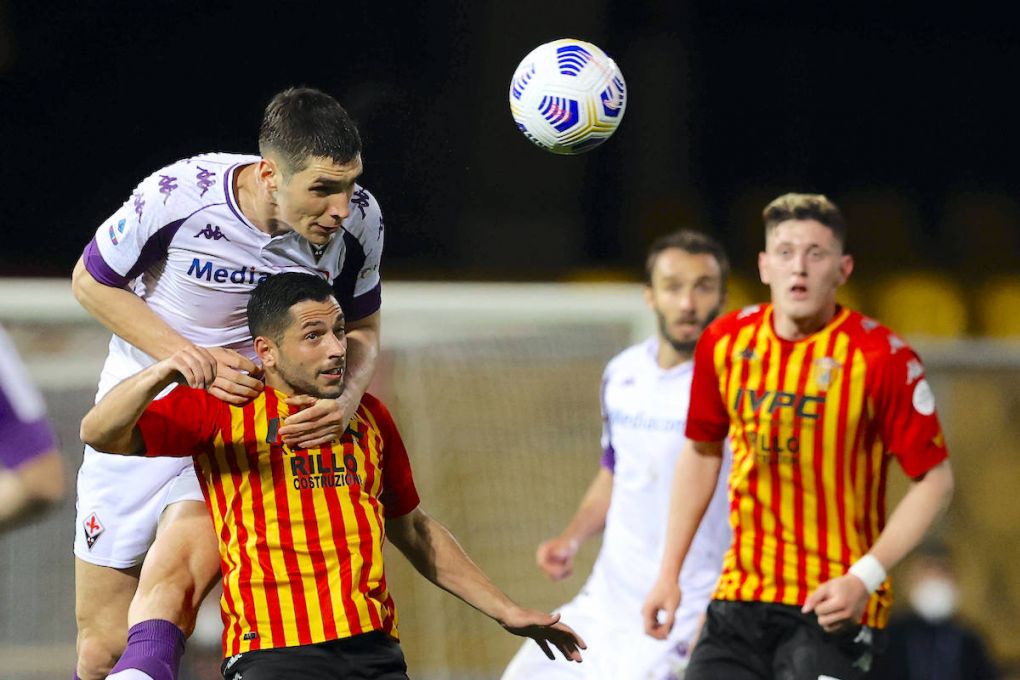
[[645, 393], [31, 467], [931, 642], [174, 268], [301, 537], [815, 397]]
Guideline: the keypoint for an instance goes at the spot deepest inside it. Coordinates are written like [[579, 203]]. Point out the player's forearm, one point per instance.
[[110, 425], [590, 518], [694, 480], [362, 354], [126, 315], [437, 556], [925, 501]]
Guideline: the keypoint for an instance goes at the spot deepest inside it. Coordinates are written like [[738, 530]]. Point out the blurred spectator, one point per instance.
[[930, 643], [31, 467]]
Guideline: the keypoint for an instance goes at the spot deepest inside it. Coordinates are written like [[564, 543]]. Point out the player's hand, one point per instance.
[[192, 366], [316, 421], [556, 557], [545, 630], [838, 603], [659, 609], [237, 377]]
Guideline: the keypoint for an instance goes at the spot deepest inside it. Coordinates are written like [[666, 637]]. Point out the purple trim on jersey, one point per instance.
[[609, 458], [97, 267], [228, 191], [156, 247], [21, 441], [366, 304]]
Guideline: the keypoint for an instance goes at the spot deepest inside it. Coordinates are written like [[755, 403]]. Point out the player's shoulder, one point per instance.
[[374, 411], [873, 337], [731, 322], [634, 355], [365, 221], [188, 183]]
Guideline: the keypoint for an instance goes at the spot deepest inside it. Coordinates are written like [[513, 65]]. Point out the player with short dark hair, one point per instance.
[[173, 268], [301, 530], [645, 392], [815, 400]]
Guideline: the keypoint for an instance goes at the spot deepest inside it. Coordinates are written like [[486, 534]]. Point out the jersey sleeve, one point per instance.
[[183, 423], [707, 417], [905, 408], [25, 430], [608, 451], [358, 285], [139, 233], [399, 495]]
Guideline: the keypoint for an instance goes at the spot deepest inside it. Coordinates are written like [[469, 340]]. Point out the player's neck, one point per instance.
[[246, 193], [798, 328], [667, 356]]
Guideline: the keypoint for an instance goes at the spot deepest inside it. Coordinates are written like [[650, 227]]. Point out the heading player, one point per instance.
[[301, 530], [31, 466], [173, 268], [815, 398], [645, 392]]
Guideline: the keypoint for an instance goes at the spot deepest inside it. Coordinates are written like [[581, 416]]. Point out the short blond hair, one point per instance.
[[805, 207]]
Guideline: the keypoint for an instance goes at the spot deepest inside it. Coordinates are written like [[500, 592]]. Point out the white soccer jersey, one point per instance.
[[644, 411], [183, 245]]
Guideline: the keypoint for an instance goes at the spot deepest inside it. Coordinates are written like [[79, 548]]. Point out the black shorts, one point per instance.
[[761, 640], [371, 656]]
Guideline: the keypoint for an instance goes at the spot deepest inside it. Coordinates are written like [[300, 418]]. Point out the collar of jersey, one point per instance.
[[652, 349], [841, 315]]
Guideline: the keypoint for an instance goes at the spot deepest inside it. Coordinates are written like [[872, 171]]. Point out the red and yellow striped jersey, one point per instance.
[[812, 425], [301, 532]]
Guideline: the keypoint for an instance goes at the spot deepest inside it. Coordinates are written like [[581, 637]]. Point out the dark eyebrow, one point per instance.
[[312, 323]]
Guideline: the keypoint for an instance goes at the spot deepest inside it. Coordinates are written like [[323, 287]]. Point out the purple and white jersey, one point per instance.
[[182, 244], [644, 411], [25, 432]]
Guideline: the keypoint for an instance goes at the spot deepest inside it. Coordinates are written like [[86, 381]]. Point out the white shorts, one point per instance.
[[614, 652], [120, 501]]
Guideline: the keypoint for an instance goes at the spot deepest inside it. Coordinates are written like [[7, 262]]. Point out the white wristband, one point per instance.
[[870, 571]]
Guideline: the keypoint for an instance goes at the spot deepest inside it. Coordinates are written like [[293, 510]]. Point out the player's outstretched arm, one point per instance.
[[127, 315], [555, 556], [322, 420], [694, 480], [437, 555], [842, 601], [111, 425]]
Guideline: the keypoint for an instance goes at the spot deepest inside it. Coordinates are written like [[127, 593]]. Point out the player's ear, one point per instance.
[[763, 272], [266, 351], [846, 267], [268, 172], [649, 299]]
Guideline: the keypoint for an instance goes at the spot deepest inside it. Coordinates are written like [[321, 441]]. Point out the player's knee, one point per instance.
[[97, 654]]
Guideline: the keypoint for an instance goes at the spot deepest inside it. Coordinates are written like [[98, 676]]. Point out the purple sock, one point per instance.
[[155, 648]]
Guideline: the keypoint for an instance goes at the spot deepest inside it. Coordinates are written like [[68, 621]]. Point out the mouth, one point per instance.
[[798, 291], [335, 373]]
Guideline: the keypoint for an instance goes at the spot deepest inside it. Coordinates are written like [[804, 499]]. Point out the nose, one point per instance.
[[685, 298], [339, 207], [338, 346]]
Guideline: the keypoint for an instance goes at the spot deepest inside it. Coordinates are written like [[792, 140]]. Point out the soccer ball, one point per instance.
[[567, 96]]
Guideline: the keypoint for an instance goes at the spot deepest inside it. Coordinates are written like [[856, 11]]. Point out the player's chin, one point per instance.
[[330, 386]]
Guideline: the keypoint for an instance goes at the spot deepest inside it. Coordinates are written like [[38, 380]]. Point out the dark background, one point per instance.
[[903, 114]]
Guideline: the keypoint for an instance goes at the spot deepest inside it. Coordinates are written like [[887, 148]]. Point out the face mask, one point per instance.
[[934, 599]]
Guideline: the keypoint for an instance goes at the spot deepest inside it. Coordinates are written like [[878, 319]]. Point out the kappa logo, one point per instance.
[[211, 232], [93, 529]]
